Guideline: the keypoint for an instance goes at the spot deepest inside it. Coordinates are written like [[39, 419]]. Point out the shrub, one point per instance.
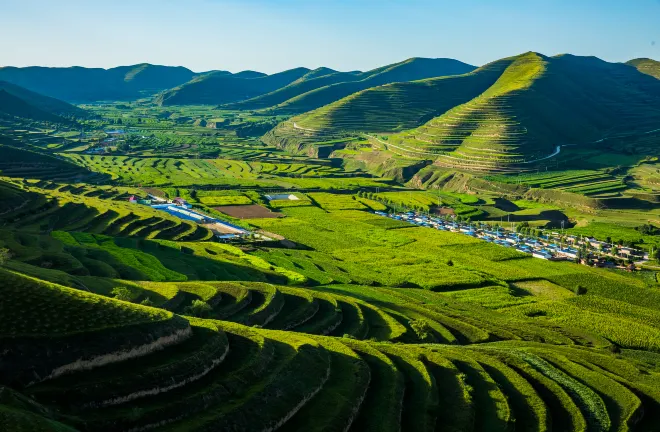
[[5, 255], [147, 302], [198, 308], [121, 293]]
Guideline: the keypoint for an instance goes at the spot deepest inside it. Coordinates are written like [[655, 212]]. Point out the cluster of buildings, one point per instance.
[[552, 247], [180, 208]]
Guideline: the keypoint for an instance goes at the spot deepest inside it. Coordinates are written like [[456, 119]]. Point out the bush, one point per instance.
[[5, 255], [199, 309], [121, 293]]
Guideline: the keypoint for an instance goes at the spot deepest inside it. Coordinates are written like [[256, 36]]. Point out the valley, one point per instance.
[[424, 246]]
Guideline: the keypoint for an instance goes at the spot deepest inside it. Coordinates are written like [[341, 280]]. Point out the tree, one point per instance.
[[122, 293], [198, 308], [5, 255]]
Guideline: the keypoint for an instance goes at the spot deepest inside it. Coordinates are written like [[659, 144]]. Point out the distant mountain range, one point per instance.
[[80, 85], [323, 86]]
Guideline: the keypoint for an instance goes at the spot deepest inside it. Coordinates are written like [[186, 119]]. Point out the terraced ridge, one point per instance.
[[17, 162], [584, 182], [96, 210], [505, 117], [157, 171]]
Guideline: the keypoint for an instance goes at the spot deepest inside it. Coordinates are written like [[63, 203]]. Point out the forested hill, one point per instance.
[[80, 84]]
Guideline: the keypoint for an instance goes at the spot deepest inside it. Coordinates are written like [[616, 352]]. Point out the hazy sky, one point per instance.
[[273, 35]]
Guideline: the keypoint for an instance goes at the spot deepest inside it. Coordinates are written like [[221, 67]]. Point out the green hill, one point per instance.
[[46, 104], [220, 88], [312, 80], [15, 107], [408, 70], [526, 107], [79, 84], [647, 66]]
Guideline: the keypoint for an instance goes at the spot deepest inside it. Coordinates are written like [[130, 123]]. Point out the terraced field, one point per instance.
[[219, 172], [508, 116], [101, 210], [185, 373], [585, 182]]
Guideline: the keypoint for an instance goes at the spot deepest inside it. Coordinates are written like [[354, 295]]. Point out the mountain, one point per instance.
[[647, 66], [502, 116], [221, 88], [79, 84], [47, 104], [310, 92], [16, 107], [312, 80]]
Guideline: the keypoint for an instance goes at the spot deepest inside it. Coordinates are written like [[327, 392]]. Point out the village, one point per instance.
[[549, 245]]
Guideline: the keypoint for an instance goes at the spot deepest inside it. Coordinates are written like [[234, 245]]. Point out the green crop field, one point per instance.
[[305, 308]]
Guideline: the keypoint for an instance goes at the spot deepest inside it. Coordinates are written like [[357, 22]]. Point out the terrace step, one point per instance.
[[336, 406], [562, 410], [162, 371], [303, 373], [252, 360], [299, 308], [235, 298], [456, 410], [420, 402], [492, 411], [353, 321], [267, 302], [382, 406], [529, 411], [327, 318], [623, 406]]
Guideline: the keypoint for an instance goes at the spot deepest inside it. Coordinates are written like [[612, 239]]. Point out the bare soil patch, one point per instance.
[[253, 211]]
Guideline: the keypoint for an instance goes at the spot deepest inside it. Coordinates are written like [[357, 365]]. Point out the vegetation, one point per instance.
[[116, 315]]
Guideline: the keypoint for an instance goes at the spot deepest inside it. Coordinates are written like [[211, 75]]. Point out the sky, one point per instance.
[[274, 35]]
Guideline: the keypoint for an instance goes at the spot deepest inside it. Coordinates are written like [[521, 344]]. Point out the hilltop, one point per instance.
[[323, 86], [647, 66], [505, 114], [80, 84], [223, 87]]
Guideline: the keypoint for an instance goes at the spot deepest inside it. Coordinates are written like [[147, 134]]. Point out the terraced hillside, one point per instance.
[[159, 171], [309, 93], [17, 162], [533, 107], [221, 87], [169, 372]]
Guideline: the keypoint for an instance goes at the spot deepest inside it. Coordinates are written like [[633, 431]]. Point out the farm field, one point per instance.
[[281, 299]]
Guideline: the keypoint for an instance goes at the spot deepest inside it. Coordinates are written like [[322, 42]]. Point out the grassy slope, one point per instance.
[[647, 66], [50, 105], [535, 104], [16, 107], [409, 70]]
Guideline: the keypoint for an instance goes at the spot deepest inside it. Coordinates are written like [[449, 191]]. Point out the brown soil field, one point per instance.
[[248, 211]]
